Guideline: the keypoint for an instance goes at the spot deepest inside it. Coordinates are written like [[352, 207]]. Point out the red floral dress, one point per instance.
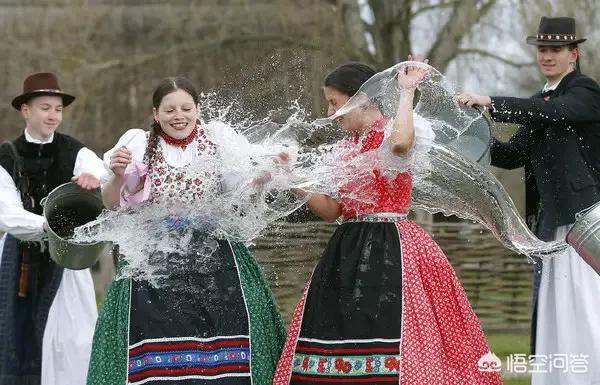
[[384, 304]]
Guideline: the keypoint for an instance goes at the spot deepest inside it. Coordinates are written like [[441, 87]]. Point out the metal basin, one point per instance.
[[474, 142], [584, 236], [475, 135], [66, 207]]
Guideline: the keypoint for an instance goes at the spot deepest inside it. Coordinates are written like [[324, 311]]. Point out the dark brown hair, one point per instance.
[[164, 88], [577, 65], [347, 78]]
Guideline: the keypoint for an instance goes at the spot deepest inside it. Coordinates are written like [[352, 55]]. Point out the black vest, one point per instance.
[[23, 317], [45, 166]]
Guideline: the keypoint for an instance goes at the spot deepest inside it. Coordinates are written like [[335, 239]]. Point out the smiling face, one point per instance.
[[556, 62], [43, 115], [177, 114]]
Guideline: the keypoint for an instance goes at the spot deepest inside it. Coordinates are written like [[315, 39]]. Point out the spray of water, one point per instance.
[[258, 161], [245, 189], [449, 172]]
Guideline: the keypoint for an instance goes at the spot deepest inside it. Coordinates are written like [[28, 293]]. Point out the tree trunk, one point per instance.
[[391, 32], [465, 15]]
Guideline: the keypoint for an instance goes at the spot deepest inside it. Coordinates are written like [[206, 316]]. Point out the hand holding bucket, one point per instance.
[[66, 207]]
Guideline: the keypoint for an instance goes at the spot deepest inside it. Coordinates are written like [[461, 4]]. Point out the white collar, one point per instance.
[[550, 88], [31, 139]]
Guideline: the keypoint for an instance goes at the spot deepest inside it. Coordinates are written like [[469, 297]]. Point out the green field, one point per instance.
[[504, 345]]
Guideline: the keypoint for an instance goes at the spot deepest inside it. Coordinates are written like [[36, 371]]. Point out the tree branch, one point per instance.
[[355, 28], [137, 60], [484, 53], [428, 8], [465, 14], [391, 33]]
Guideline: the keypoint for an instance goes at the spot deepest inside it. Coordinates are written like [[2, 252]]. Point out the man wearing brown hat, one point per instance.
[[48, 313], [558, 144]]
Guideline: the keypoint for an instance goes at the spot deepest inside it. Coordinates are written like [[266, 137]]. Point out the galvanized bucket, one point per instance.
[[475, 141], [66, 207], [584, 236]]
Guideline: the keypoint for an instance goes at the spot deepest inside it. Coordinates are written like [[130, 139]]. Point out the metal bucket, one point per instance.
[[66, 207], [474, 142], [584, 236]]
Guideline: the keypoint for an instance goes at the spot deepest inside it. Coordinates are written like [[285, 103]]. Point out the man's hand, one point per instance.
[[86, 181], [470, 99]]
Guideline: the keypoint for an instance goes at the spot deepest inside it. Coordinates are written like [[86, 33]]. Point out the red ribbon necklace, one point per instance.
[[179, 142]]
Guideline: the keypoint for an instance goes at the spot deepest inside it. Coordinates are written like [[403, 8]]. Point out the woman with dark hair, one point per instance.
[[384, 304], [208, 323]]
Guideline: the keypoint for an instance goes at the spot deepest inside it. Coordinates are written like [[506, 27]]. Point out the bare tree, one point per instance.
[[265, 54], [110, 53], [392, 20], [587, 16]]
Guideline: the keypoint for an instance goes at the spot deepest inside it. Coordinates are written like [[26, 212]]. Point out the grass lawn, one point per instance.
[[517, 381], [504, 345]]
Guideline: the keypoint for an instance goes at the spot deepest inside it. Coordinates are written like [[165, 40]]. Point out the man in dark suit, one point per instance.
[[558, 144]]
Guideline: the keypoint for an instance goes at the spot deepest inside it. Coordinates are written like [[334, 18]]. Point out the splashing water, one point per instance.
[[449, 174], [245, 189], [472, 192], [248, 182]]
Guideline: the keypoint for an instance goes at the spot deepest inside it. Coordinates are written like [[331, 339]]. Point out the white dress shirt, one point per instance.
[[25, 225]]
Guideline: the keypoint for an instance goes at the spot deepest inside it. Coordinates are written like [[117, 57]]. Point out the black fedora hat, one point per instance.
[[40, 84], [555, 31]]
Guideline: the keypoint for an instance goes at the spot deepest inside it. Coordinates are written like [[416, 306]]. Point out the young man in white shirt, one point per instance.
[[48, 313], [558, 144]]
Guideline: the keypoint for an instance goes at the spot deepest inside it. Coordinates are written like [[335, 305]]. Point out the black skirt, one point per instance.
[[197, 315], [353, 313]]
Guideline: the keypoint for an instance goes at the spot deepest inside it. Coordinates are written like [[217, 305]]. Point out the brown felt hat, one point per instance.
[[39, 84]]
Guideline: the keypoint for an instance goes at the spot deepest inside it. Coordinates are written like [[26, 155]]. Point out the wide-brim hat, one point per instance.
[[40, 84], [555, 31]]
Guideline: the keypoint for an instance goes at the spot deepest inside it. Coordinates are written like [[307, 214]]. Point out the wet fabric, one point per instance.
[[384, 304], [211, 319], [216, 327]]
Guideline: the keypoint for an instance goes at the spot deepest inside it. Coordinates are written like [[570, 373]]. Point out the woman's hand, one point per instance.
[[262, 179], [283, 158], [119, 161], [281, 161], [410, 76]]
